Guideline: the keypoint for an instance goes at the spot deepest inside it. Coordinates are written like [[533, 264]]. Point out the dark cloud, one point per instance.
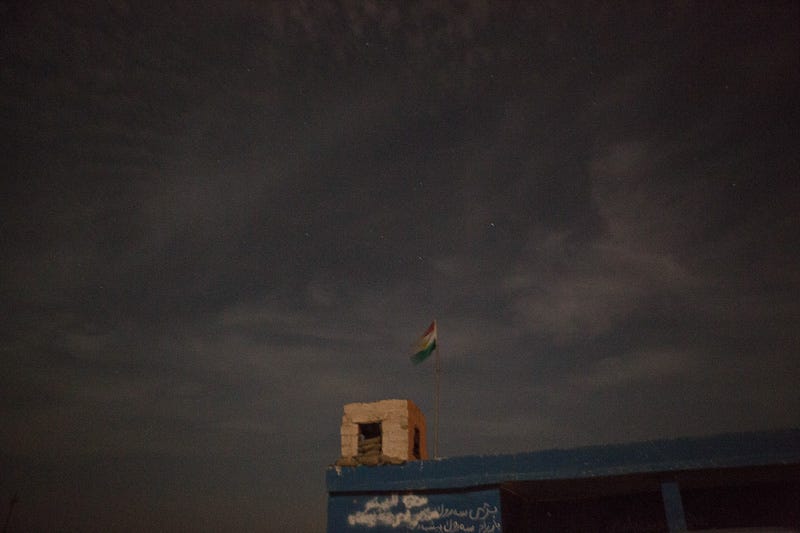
[[222, 222]]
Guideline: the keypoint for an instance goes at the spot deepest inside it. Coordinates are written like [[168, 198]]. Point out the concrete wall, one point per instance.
[[718, 482], [477, 511]]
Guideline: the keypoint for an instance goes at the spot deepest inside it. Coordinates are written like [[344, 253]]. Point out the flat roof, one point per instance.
[[731, 450]]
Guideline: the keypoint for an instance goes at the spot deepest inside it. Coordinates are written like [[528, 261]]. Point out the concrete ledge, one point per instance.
[[720, 451]]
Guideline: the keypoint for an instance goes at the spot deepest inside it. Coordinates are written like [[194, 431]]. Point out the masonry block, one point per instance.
[[398, 426]]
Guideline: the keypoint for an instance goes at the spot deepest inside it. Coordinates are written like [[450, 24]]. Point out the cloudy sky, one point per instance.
[[221, 221]]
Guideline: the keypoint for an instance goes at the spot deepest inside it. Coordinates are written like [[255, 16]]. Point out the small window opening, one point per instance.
[[416, 444], [369, 439]]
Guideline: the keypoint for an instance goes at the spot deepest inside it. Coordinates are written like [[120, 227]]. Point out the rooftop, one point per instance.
[[731, 450]]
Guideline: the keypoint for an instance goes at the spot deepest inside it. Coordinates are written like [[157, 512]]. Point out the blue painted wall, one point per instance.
[[473, 511], [719, 451], [463, 493]]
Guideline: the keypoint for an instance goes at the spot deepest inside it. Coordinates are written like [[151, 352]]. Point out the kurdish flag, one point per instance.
[[426, 345]]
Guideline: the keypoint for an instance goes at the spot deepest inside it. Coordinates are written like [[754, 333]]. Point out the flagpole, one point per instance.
[[427, 344], [437, 372]]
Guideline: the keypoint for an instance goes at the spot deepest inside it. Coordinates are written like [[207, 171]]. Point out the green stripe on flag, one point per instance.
[[423, 354]]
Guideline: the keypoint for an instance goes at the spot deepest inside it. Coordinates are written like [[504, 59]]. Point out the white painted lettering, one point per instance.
[[413, 513]]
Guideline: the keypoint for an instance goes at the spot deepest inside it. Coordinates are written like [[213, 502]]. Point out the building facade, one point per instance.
[[746, 480]]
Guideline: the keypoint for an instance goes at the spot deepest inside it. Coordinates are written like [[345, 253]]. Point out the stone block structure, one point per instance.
[[383, 432]]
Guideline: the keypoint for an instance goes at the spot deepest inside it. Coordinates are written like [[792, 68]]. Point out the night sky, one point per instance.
[[221, 221]]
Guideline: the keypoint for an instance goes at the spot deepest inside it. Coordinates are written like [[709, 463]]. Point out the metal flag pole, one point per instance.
[[429, 342], [437, 372]]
